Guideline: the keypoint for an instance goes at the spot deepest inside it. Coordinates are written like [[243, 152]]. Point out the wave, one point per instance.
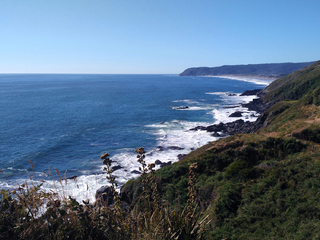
[[258, 81], [192, 108]]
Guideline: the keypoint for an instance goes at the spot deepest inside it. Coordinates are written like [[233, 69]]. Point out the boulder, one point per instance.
[[216, 128], [181, 156], [215, 134], [165, 164], [198, 128], [183, 107], [236, 114], [175, 148], [158, 162], [115, 168], [160, 148], [73, 177]]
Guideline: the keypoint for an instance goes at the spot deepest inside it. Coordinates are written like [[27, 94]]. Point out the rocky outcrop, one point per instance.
[[236, 114], [182, 108], [180, 156], [231, 128], [175, 148], [162, 164], [115, 168], [251, 92], [240, 126], [257, 105]]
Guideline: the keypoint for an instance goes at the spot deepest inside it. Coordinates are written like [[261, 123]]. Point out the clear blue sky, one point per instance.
[[146, 36]]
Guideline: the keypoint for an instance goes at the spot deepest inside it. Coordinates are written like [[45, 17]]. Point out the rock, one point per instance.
[[198, 128], [160, 148], [232, 106], [256, 105], [104, 195], [73, 177], [158, 162], [183, 107], [135, 172], [181, 156], [232, 94], [231, 128], [251, 92], [215, 134], [115, 168], [165, 164], [216, 128], [175, 148], [236, 114], [240, 126]]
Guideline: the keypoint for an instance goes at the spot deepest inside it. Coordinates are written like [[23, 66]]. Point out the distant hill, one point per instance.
[[274, 70]]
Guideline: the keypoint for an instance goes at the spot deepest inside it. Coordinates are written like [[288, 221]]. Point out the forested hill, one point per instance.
[[274, 70]]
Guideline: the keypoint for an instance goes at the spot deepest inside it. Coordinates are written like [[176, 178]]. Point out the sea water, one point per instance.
[[64, 122]]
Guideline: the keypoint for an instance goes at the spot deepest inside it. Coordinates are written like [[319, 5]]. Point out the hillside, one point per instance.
[[262, 185], [272, 70]]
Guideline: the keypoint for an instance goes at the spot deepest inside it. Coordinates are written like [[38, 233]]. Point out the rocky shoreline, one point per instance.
[[239, 126], [218, 130]]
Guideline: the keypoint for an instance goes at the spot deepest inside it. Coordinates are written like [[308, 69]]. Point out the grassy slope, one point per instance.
[[262, 185]]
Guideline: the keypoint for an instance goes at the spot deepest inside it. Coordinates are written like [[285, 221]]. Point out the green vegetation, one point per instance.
[[263, 185], [30, 213], [265, 70], [295, 85]]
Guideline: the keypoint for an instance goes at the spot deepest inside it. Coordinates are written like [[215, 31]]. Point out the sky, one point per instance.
[[154, 37]]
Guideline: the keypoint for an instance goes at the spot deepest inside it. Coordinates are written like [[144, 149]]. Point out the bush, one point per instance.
[[239, 169]]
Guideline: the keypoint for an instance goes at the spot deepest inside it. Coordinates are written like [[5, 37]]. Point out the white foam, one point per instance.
[[222, 115], [84, 187], [192, 108], [186, 101], [258, 81]]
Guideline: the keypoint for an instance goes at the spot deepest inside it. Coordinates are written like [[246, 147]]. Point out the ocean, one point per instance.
[[65, 122]]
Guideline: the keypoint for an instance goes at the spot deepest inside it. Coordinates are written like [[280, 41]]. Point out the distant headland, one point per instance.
[[267, 70]]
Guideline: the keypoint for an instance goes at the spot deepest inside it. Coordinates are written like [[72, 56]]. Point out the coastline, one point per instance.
[[257, 79], [239, 77], [172, 139], [168, 151], [225, 126]]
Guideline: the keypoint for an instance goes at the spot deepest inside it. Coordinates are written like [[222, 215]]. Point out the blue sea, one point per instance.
[[65, 122]]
